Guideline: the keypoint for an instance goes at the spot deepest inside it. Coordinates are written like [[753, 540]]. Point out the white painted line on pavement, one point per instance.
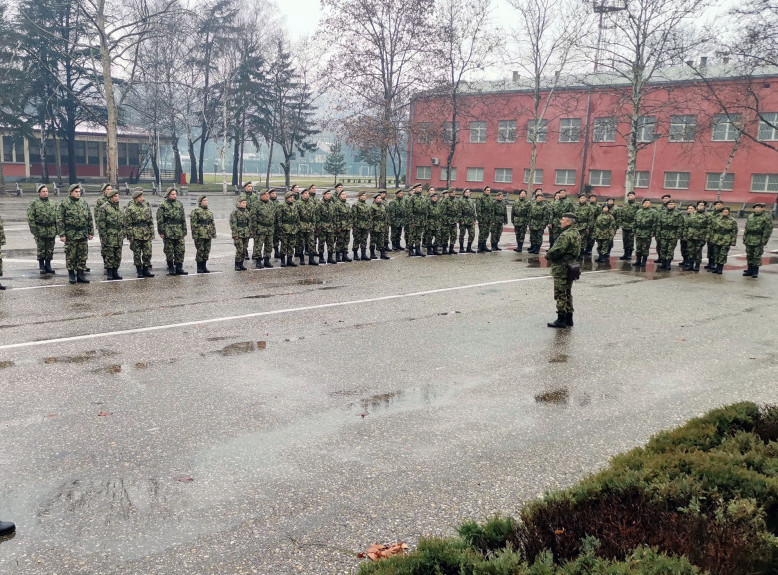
[[272, 312]]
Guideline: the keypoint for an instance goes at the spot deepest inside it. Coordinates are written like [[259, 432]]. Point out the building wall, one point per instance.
[[659, 157]]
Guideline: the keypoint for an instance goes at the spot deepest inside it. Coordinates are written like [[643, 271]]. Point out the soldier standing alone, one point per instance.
[[565, 250], [759, 227], [75, 225]]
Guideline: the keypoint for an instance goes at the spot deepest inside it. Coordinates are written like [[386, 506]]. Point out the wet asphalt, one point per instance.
[[280, 421]]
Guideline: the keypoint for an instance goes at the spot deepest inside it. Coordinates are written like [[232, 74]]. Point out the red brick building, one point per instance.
[[690, 132]]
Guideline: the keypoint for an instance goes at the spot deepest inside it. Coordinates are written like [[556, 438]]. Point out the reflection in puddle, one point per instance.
[[399, 399]]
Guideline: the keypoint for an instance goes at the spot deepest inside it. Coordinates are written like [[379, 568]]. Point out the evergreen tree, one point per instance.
[[335, 163]]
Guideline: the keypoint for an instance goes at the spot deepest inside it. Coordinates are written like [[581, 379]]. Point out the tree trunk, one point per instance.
[[112, 123], [192, 162], [236, 162], [269, 163], [381, 179]]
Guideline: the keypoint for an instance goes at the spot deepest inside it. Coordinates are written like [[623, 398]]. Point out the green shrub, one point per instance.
[[497, 533]]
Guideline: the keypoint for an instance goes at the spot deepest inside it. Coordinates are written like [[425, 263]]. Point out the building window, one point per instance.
[[123, 154], [712, 182], [506, 131], [13, 149], [725, 127], [646, 128], [537, 131], [424, 133], [764, 182], [600, 178], [677, 180], [477, 132], [423, 172], [768, 126], [449, 132], [133, 154], [538, 176], [79, 151], [570, 130], [475, 174], [564, 178], [683, 128], [444, 173], [503, 175], [93, 153], [35, 151], [642, 179], [604, 130]]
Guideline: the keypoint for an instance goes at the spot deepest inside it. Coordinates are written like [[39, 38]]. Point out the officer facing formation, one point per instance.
[[566, 249]]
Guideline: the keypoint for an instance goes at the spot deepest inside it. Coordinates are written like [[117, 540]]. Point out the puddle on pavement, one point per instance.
[[330, 287], [220, 338], [392, 400], [83, 357], [310, 281], [6, 364], [110, 369], [258, 296], [559, 358], [557, 396], [241, 347], [141, 365]]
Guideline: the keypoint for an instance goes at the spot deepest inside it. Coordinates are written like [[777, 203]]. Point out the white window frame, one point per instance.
[[473, 175], [725, 127], [453, 173], [683, 128], [646, 128], [538, 176], [424, 133], [768, 127], [562, 177], [541, 125], [570, 130], [604, 129], [712, 181], [677, 180], [447, 135], [769, 185], [506, 131], [600, 178], [503, 175], [478, 132], [645, 174], [423, 172]]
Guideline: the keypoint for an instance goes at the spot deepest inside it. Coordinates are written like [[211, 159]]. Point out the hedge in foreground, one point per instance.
[[706, 492]]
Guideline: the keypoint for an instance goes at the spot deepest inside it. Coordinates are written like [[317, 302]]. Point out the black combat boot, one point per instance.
[[80, 277], [139, 269], [171, 270], [199, 267], [445, 250], [239, 266], [496, 248], [569, 319], [749, 272], [276, 255], [267, 263], [205, 267], [180, 271], [388, 248], [338, 257], [258, 263], [561, 320], [384, 256], [109, 274], [520, 247], [42, 266], [331, 259], [283, 261], [290, 262], [481, 248], [755, 273], [372, 253], [637, 261], [116, 275], [356, 255], [47, 267], [462, 247], [72, 276], [419, 252], [321, 258], [2, 287], [411, 251], [470, 247], [302, 258], [696, 266], [364, 257], [312, 260], [719, 269], [345, 257]]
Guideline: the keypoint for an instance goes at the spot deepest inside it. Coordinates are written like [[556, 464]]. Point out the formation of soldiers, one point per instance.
[[302, 226]]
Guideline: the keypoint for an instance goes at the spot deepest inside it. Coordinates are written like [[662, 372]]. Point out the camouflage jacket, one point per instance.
[[449, 211], [669, 223], [759, 227], [520, 212], [171, 220], [240, 223], [625, 215], [722, 230], [2, 235], [99, 202], [645, 223], [539, 215], [326, 215], [484, 209], [499, 212], [695, 227], [379, 219], [263, 216], [559, 207], [360, 215], [138, 223], [110, 223], [203, 226], [585, 220], [252, 198], [466, 211], [604, 227], [416, 211], [42, 218], [396, 211], [342, 215], [74, 219], [307, 211], [288, 218], [565, 250]]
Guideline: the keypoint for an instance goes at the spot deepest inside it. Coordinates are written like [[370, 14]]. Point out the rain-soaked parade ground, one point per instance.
[[279, 421]]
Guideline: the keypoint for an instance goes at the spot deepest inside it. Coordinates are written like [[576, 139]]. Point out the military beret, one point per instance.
[[200, 199], [170, 189], [725, 208], [570, 216], [311, 186], [416, 186], [488, 188], [360, 194], [759, 205], [39, 187], [376, 196], [666, 196], [703, 202], [538, 190], [499, 193], [289, 194], [327, 191], [400, 191], [265, 191], [113, 193], [339, 185], [137, 192], [273, 190], [452, 191], [105, 185], [560, 190], [72, 187], [646, 200], [582, 195], [434, 194], [247, 184], [718, 202]]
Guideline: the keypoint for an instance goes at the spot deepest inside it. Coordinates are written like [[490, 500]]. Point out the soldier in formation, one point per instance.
[[499, 219], [723, 234], [669, 227], [203, 232], [105, 190], [539, 218], [42, 220], [396, 213], [288, 227], [625, 219], [483, 214], [604, 232], [326, 224], [139, 227], [171, 227], [342, 225], [759, 226], [520, 219], [379, 223], [449, 218], [75, 227], [466, 222], [263, 219], [240, 228], [110, 226], [586, 217]]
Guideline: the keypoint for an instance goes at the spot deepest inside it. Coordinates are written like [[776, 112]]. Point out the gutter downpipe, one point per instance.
[[586, 140]]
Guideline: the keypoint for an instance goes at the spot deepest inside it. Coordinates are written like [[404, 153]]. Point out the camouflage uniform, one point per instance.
[[171, 223], [695, 232], [449, 216], [520, 218], [604, 232], [669, 227], [139, 227], [584, 223], [645, 228], [466, 223], [110, 226], [342, 228], [723, 234], [2, 243], [203, 232], [100, 202], [625, 219], [379, 223], [565, 250], [434, 225], [263, 219], [396, 211], [306, 236], [758, 229], [484, 212], [499, 219], [240, 229], [74, 222], [360, 218], [539, 216], [276, 233], [714, 215], [326, 218], [251, 200], [415, 221], [288, 228], [558, 207], [42, 219]]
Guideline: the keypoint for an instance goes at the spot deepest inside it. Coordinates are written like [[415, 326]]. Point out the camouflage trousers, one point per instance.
[[496, 232], [589, 243], [203, 247], [263, 244], [102, 251], [449, 234], [642, 245], [667, 247], [720, 253], [754, 255], [342, 239], [553, 234], [396, 234], [174, 250], [327, 240], [45, 247], [694, 250], [628, 236], [604, 246], [141, 252], [586, 237], [76, 252], [378, 239], [112, 254], [711, 251], [520, 230], [685, 250], [241, 245], [466, 229], [432, 236], [306, 242], [288, 244], [277, 241], [563, 294], [483, 231], [536, 237], [413, 233], [360, 238], [1, 264]]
